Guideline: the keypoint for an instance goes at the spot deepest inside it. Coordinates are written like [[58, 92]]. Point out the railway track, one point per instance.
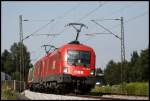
[[94, 97], [112, 97], [116, 97], [72, 96]]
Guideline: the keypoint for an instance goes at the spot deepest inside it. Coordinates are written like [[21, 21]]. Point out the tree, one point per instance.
[[134, 57], [144, 65], [15, 50], [112, 73], [140, 67], [11, 61], [6, 62], [99, 71], [3, 59], [135, 70], [16, 75]]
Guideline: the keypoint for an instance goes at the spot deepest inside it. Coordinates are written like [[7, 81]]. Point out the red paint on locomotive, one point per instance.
[[74, 60]]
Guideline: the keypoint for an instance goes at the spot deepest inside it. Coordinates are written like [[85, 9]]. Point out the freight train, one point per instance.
[[68, 68]]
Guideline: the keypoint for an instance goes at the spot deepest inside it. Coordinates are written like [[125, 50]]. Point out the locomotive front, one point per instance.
[[79, 67]]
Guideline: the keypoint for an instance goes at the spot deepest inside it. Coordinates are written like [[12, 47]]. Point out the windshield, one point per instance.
[[78, 58]]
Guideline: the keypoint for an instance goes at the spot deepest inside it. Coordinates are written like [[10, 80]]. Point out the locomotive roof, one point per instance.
[[76, 45], [71, 45]]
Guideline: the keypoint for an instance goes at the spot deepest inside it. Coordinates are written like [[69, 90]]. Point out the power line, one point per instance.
[[47, 34], [39, 29], [106, 29], [127, 21], [59, 17], [84, 16], [122, 9], [131, 19], [110, 32], [138, 16], [72, 9], [118, 11], [89, 12]]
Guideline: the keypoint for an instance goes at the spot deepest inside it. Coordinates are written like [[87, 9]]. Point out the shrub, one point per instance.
[[136, 88]]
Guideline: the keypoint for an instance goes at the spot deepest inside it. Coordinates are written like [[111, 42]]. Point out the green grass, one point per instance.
[[134, 88], [7, 93], [138, 88]]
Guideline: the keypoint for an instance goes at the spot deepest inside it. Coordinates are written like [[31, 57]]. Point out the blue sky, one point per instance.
[[107, 47]]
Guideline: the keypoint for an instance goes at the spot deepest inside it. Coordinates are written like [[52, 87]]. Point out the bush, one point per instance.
[[115, 89], [136, 88]]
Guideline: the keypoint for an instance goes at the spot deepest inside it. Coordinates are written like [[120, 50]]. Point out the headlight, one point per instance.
[[65, 70], [92, 72]]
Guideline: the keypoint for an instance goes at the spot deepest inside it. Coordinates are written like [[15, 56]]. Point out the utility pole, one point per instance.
[[122, 41], [122, 53], [122, 44], [20, 29], [21, 43], [22, 59]]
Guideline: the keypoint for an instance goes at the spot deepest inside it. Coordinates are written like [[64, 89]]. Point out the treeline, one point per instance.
[[135, 70], [10, 62]]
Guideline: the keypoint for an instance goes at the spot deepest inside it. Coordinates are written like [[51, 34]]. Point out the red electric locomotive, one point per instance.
[[68, 68]]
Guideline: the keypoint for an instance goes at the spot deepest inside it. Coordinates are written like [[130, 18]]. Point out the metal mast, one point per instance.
[[21, 39], [122, 53], [122, 41], [122, 44]]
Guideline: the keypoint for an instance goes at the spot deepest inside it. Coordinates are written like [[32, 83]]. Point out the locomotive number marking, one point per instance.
[[78, 72]]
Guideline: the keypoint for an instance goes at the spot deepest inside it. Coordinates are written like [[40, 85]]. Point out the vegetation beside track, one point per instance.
[[8, 94], [134, 88]]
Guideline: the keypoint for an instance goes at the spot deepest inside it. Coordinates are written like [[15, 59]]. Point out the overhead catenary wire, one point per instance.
[[91, 12], [79, 4], [46, 34], [38, 29], [127, 21], [123, 8], [62, 16], [112, 13], [86, 15], [138, 16], [131, 19], [70, 10], [118, 11], [107, 29], [52, 20]]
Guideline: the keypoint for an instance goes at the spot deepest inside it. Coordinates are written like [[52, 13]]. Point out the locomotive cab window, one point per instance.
[[78, 58]]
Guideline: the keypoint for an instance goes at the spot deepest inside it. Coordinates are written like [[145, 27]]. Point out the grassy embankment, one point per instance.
[[7, 93], [136, 88]]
